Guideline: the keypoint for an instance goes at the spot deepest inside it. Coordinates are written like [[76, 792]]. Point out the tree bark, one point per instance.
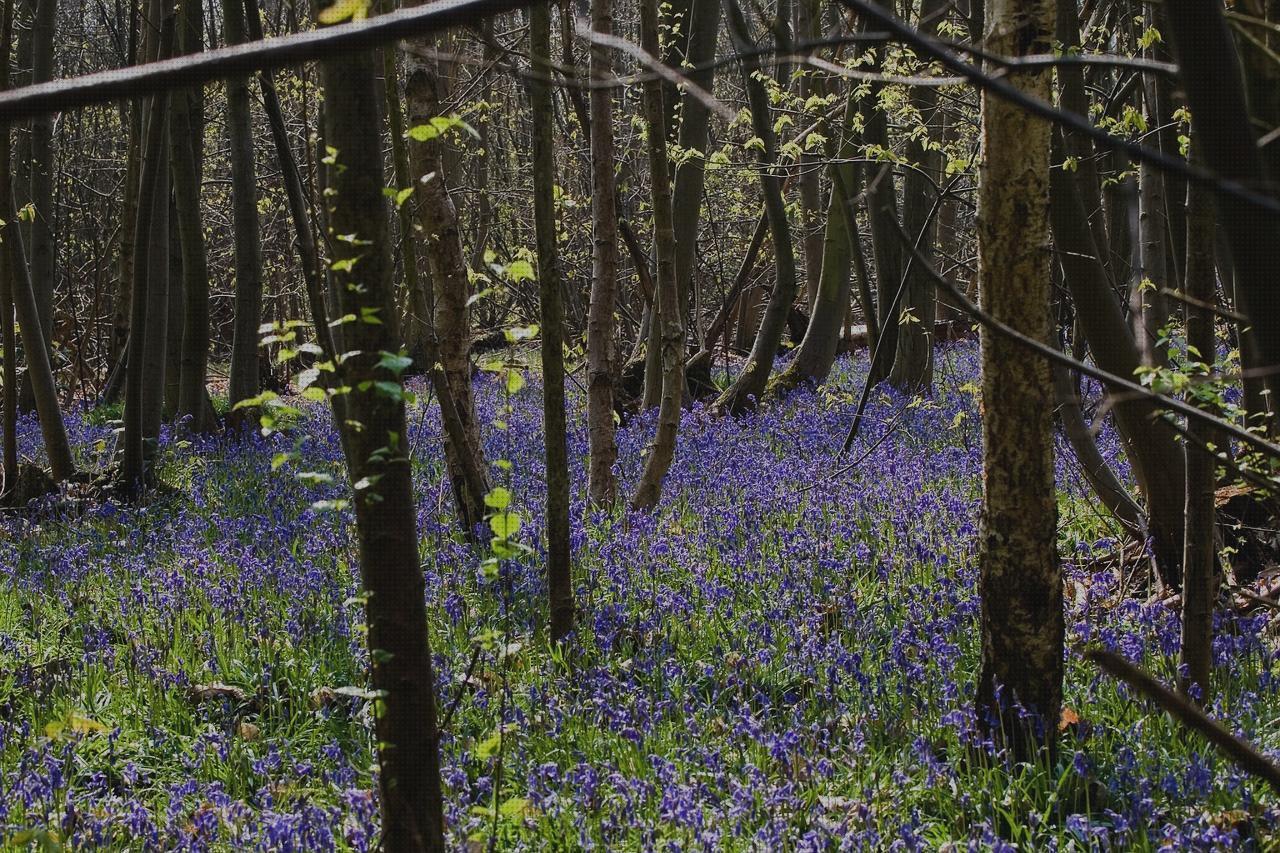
[[378, 462], [1200, 582], [669, 314], [1020, 580], [245, 371], [912, 370], [601, 334], [554, 429], [750, 385], [841, 243], [438, 219], [1210, 73], [8, 332], [187, 132], [38, 169]]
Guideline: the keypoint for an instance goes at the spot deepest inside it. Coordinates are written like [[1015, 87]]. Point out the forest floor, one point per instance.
[[783, 657]]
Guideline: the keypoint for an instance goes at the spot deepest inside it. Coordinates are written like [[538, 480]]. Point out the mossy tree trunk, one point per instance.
[[1020, 580]]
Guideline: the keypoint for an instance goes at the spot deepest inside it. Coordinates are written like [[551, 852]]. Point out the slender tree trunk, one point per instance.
[[150, 280], [8, 332], [809, 29], [378, 462], [56, 446], [1150, 442], [882, 216], [554, 429], [751, 383], [438, 219], [418, 327], [1020, 580], [669, 314], [912, 369], [245, 371], [601, 333], [155, 340], [37, 168], [1110, 491], [187, 132], [703, 26], [1146, 299], [1200, 582], [295, 193], [830, 303], [1210, 72]]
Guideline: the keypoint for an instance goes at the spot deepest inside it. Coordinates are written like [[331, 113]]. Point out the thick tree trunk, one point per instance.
[[245, 375], [750, 385], [1020, 580], [438, 219], [669, 315], [601, 340], [554, 429], [378, 462]]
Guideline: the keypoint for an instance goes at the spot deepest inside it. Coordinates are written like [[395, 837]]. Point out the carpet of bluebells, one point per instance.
[[781, 658]]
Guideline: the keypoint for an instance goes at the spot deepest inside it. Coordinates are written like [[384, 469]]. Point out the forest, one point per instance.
[[733, 425]]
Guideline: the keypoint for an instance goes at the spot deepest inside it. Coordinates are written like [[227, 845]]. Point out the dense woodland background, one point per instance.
[[706, 425]]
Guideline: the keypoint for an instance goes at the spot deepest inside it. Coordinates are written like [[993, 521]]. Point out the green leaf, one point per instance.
[[515, 808], [396, 363], [505, 524], [516, 334], [499, 498], [520, 270], [515, 381], [261, 399], [489, 745], [343, 10]]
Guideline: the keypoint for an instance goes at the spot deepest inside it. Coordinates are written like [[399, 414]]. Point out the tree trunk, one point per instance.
[[703, 26], [378, 462], [38, 168], [912, 370], [150, 281], [830, 303], [1150, 442], [554, 429], [809, 29], [245, 377], [1210, 73], [440, 228], [1020, 580], [187, 132], [669, 315], [418, 299], [601, 340], [8, 332], [1200, 582], [751, 383]]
